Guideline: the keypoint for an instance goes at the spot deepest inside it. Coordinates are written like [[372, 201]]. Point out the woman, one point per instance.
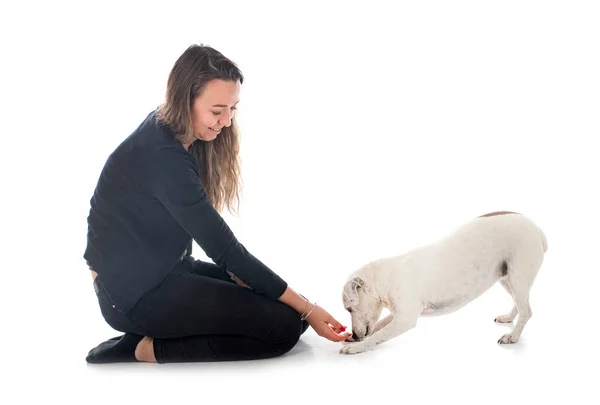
[[164, 186]]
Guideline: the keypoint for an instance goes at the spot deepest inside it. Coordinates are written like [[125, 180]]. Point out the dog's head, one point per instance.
[[364, 307]]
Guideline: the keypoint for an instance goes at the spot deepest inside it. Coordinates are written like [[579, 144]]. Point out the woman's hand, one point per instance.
[[327, 326], [324, 324], [237, 280]]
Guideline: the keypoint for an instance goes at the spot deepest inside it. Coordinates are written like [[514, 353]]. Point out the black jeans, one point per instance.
[[199, 314]]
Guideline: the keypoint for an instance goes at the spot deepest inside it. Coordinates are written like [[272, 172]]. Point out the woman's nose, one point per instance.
[[225, 120]]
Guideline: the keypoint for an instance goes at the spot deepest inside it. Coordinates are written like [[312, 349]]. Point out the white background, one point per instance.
[[367, 129]]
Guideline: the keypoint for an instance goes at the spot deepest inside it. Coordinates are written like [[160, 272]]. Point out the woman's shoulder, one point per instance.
[[150, 149], [154, 139]]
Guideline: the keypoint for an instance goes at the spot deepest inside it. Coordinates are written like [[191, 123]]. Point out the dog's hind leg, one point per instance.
[[519, 280], [521, 271], [513, 313], [521, 298]]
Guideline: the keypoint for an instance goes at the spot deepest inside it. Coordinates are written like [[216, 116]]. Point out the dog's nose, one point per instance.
[[354, 337]]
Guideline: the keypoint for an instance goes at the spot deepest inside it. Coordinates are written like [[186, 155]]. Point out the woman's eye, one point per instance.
[[216, 113]]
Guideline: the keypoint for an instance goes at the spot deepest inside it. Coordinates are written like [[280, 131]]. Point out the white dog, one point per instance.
[[445, 276]]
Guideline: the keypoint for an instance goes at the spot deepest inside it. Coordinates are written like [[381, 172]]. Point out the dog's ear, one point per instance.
[[352, 288]]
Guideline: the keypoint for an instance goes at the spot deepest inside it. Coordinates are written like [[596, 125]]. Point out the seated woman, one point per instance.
[[163, 187]]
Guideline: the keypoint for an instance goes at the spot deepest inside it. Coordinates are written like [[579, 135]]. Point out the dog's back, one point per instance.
[[468, 262], [506, 231]]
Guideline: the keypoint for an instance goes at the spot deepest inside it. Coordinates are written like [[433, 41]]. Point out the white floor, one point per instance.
[[454, 357]]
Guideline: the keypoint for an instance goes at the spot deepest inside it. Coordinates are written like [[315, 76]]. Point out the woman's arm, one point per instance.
[[176, 184], [318, 318]]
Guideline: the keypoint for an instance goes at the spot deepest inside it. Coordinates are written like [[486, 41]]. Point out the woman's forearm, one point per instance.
[[294, 300], [289, 296]]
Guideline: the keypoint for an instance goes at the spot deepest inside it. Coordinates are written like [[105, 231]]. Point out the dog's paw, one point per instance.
[[507, 339], [353, 348], [504, 319]]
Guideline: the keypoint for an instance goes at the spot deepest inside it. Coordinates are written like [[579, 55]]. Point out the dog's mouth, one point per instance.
[[356, 338]]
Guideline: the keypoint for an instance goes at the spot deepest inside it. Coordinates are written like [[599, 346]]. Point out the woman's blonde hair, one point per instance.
[[218, 160]]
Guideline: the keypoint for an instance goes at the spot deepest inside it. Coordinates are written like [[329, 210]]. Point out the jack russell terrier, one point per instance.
[[443, 277]]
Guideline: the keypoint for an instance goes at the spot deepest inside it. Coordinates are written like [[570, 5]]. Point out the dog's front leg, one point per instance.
[[397, 325], [383, 323], [380, 325]]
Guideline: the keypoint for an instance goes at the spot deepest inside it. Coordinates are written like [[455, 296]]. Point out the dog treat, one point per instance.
[[342, 328]]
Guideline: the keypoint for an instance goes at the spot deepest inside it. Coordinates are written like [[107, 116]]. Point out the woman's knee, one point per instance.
[[286, 330]]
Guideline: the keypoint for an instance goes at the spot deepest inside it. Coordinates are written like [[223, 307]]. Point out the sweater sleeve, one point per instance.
[[176, 184]]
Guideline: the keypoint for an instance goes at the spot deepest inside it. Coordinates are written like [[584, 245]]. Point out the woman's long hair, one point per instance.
[[218, 160]]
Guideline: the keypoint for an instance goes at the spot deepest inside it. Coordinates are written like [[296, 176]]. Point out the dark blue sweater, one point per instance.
[[147, 207]]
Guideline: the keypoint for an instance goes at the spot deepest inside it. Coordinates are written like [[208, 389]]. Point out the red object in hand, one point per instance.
[[342, 328]]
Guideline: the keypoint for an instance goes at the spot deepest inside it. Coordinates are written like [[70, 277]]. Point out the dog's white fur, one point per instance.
[[445, 276]]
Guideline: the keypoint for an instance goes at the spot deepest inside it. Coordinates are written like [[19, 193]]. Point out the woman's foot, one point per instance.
[[144, 351], [116, 350]]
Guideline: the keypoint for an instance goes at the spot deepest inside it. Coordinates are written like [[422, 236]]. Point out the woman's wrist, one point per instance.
[[306, 314]]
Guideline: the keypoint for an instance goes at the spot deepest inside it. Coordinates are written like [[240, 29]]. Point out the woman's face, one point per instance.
[[214, 108]]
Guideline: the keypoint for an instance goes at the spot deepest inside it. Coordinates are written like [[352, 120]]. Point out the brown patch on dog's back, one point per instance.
[[491, 214]]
